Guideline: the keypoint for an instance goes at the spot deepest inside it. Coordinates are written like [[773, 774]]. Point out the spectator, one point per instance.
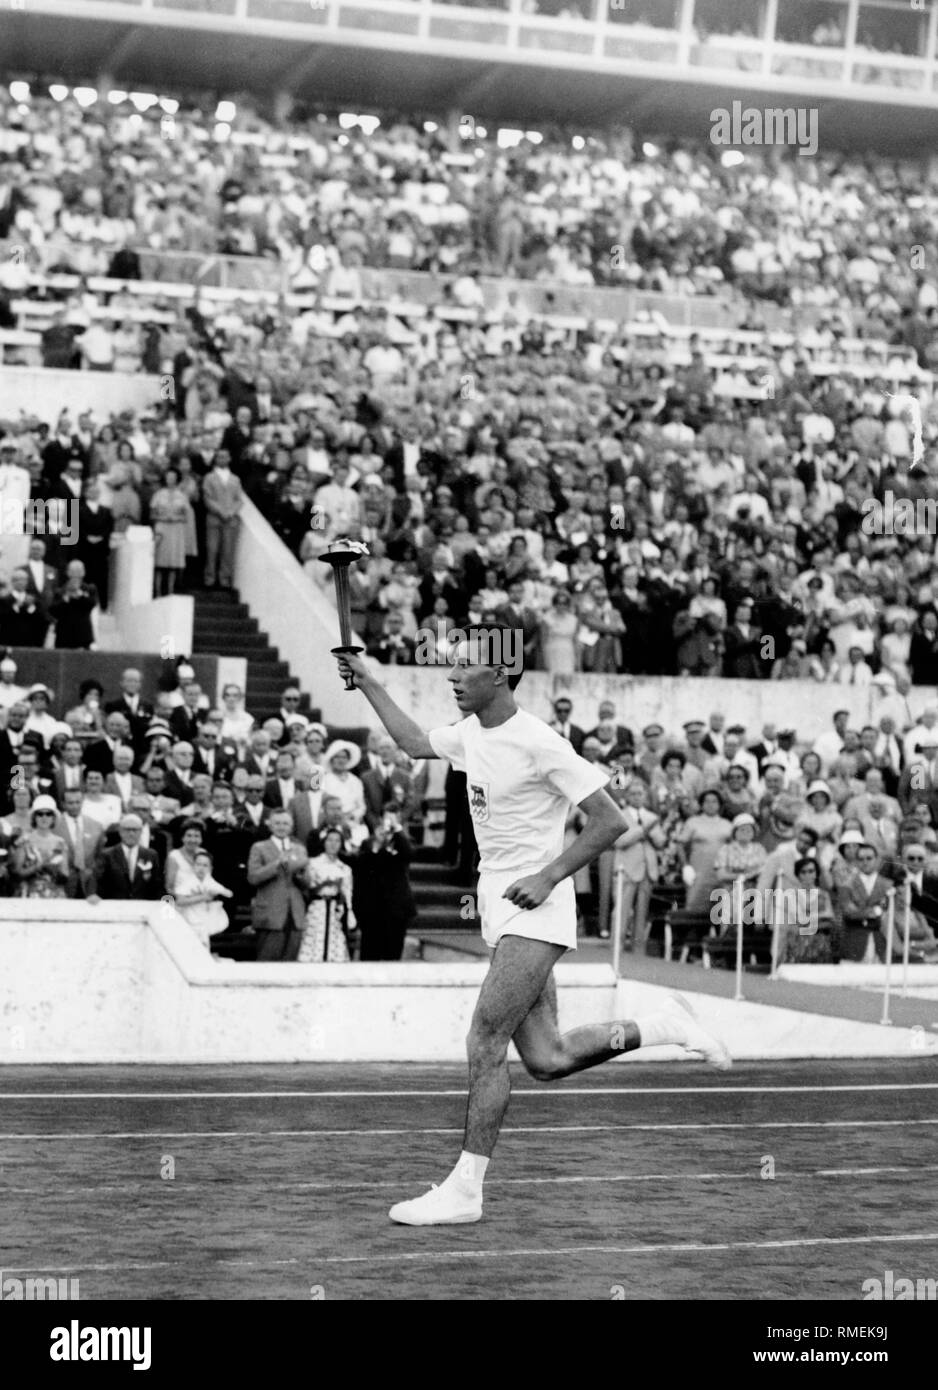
[[72, 610], [383, 899], [275, 866], [173, 524], [127, 870], [40, 860], [330, 918], [81, 836], [199, 899], [223, 498]]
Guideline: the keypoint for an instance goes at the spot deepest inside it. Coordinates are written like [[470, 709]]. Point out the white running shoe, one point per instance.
[[699, 1040], [441, 1206]]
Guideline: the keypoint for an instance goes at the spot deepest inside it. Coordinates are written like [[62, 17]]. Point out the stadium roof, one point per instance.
[[380, 73]]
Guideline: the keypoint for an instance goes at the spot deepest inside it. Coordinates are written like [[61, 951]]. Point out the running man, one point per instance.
[[521, 779]]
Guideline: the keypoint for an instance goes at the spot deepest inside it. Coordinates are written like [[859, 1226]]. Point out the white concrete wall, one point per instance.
[[131, 982], [48, 391], [128, 982], [669, 700], [296, 614]]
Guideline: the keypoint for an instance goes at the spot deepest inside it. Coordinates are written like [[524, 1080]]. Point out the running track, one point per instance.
[[645, 1179]]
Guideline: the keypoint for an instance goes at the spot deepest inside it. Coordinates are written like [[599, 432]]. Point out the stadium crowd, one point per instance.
[[630, 513], [80, 187], [841, 820], [124, 797]]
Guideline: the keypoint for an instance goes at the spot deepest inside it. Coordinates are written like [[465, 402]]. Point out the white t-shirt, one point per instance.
[[521, 778]]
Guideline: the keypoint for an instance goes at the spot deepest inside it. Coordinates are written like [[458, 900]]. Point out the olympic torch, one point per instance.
[[340, 555]]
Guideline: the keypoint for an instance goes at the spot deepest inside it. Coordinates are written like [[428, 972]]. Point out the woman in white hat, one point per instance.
[[340, 757], [844, 862], [824, 819], [40, 860], [742, 856]]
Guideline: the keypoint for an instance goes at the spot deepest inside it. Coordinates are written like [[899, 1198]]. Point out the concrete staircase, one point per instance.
[[224, 627]]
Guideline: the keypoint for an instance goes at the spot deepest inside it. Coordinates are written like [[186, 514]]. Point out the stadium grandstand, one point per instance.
[[611, 322]]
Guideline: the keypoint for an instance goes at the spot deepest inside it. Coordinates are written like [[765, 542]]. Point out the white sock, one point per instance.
[[469, 1173], [655, 1030]]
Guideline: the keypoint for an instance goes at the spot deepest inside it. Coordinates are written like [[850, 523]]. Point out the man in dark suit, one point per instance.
[[95, 525], [12, 739], [71, 610], [393, 648], [127, 871], [387, 786], [525, 620], [258, 758], [332, 818], [137, 711], [562, 722], [151, 836], [923, 900], [99, 755], [307, 810], [767, 748], [208, 757], [70, 774], [24, 620], [284, 785], [743, 646], [187, 719], [278, 912]]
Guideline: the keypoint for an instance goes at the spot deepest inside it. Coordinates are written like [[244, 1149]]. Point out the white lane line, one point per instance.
[[921, 1238], [509, 1129], [225, 1185], [516, 1091]]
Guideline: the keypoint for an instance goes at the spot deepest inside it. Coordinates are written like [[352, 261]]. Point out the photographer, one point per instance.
[[384, 903]]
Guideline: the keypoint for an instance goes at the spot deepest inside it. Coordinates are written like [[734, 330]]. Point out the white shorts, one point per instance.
[[553, 921]]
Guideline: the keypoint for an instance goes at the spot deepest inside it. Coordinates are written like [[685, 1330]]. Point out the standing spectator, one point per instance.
[[82, 838], [636, 854], [24, 621], [384, 901], [95, 527], [173, 524], [72, 610], [223, 498], [40, 860], [330, 918], [127, 871], [58, 343], [558, 643], [277, 911]]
